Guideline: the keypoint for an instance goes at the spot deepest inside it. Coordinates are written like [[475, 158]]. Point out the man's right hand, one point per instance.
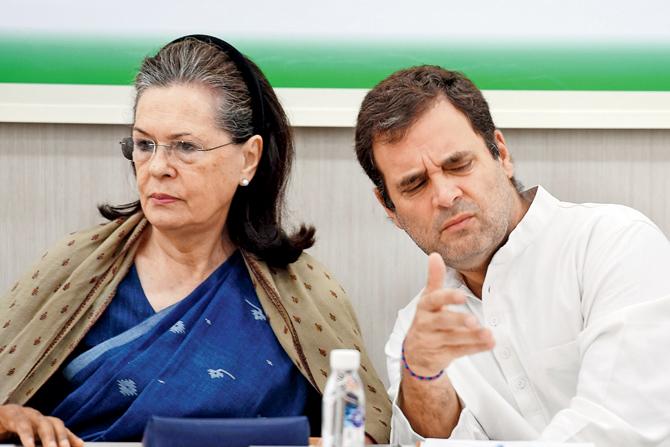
[[436, 337], [439, 335], [29, 424]]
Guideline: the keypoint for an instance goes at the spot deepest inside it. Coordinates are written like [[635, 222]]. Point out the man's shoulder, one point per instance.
[[595, 210], [586, 213], [599, 228], [605, 217]]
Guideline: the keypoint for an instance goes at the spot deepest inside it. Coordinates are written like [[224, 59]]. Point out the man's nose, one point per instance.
[[445, 191]]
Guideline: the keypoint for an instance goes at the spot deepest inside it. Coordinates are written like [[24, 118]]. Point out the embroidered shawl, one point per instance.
[[50, 309]]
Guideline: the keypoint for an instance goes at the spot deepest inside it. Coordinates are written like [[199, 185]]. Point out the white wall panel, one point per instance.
[[52, 176]]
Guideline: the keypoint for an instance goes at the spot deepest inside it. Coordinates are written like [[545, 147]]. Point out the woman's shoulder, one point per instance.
[[308, 277], [91, 233], [310, 265], [84, 240], [68, 252], [315, 273]]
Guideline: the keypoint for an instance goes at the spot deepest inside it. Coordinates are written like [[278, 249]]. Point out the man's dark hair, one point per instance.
[[396, 103]]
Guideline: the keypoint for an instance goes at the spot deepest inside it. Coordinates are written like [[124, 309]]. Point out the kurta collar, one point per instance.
[[534, 222]]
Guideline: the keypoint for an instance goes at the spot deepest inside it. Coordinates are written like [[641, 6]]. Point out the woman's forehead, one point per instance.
[[178, 109]]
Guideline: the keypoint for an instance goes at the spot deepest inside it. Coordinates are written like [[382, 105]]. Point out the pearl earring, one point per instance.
[[244, 182]]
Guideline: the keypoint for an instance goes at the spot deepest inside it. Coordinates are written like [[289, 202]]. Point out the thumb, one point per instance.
[[436, 273]]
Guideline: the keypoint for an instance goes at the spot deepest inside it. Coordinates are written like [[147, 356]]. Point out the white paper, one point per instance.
[[433, 442]]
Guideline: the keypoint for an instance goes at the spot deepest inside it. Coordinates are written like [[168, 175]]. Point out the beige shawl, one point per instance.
[[50, 309]]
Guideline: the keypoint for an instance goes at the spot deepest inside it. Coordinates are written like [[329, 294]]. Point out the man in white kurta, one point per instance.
[[540, 319], [578, 303]]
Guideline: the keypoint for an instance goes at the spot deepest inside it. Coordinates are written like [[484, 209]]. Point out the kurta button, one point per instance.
[[521, 383], [493, 321], [505, 353]]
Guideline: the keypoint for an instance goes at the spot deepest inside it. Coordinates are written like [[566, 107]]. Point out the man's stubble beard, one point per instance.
[[489, 232]]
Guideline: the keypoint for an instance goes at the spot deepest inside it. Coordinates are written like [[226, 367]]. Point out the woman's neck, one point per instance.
[[171, 267], [197, 252]]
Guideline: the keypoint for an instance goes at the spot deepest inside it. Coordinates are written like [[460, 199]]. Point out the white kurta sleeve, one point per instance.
[[623, 390], [401, 430]]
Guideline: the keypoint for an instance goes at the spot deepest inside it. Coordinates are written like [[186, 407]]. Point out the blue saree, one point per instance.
[[213, 354]]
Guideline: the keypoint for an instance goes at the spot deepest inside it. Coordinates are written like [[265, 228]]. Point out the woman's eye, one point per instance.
[[185, 147], [144, 145]]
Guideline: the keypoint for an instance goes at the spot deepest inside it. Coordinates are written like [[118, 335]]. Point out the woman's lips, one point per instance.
[[162, 199]]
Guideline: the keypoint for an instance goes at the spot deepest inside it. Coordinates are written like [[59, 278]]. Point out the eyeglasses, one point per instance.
[[140, 150]]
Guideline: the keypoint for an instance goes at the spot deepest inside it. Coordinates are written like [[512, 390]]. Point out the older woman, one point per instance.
[[193, 301]]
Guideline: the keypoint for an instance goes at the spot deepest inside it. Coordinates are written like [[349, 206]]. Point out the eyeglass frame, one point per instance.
[[128, 153]]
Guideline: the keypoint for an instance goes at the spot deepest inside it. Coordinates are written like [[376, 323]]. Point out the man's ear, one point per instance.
[[505, 157], [252, 151], [389, 212]]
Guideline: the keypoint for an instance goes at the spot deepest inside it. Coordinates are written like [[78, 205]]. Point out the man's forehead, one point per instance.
[[440, 123], [439, 133]]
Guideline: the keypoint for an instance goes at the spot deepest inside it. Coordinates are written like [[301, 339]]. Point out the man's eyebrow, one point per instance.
[[455, 158], [410, 179]]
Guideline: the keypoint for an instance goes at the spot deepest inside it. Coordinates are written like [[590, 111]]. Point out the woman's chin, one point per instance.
[[165, 221]]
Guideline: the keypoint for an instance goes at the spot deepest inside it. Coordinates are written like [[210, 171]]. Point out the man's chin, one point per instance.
[[463, 259]]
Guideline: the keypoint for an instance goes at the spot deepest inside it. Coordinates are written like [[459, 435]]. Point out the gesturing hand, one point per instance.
[[29, 424], [439, 335]]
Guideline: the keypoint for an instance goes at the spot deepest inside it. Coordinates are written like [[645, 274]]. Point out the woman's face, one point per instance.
[[192, 195]]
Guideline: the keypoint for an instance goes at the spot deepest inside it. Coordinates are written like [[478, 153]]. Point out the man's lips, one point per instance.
[[455, 221]]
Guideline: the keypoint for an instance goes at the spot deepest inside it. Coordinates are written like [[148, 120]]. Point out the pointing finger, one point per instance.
[[436, 273], [438, 300]]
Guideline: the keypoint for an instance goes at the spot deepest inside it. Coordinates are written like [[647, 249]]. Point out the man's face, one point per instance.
[[450, 195]]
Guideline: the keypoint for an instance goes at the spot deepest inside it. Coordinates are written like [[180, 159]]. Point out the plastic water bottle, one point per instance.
[[343, 423]]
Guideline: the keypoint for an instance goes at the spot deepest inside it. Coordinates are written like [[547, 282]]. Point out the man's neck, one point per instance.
[[474, 278]]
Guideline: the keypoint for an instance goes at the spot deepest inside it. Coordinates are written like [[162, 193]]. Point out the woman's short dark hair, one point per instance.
[[254, 218], [396, 103]]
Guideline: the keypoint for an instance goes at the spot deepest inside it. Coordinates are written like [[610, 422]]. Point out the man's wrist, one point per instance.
[[414, 373], [430, 408]]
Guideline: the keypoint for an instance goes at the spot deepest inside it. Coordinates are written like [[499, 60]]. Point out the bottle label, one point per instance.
[[353, 424], [343, 414]]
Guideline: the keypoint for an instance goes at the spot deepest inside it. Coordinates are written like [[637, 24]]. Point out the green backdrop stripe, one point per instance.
[[349, 64]]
